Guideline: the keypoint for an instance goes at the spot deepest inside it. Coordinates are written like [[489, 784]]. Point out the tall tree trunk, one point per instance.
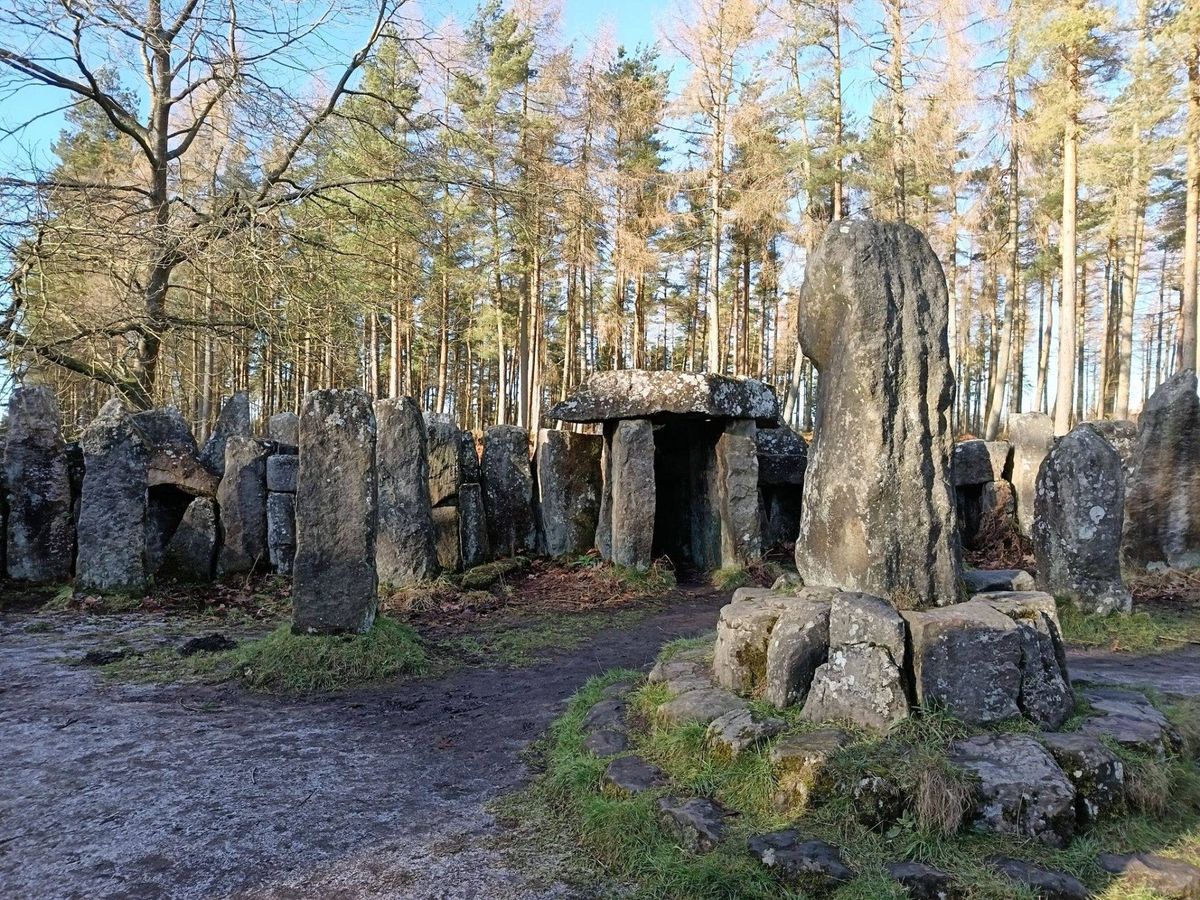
[[1068, 302], [1187, 307], [1012, 297]]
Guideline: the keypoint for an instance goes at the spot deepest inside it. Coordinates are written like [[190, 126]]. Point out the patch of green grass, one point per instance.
[[1139, 632], [730, 578]]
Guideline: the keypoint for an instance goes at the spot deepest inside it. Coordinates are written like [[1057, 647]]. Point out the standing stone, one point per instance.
[[879, 511], [283, 470], [1079, 513], [568, 476], [284, 428], [737, 487], [40, 529], [472, 526], [978, 462], [633, 493], [234, 420], [1162, 498], [604, 524], [113, 504], [242, 498], [508, 490], [404, 543], [782, 460], [444, 450], [1031, 435], [335, 587], [192, 551], [1123, 436], [281, 531]]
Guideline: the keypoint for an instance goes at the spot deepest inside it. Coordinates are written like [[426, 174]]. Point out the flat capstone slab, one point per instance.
[[643, 394]]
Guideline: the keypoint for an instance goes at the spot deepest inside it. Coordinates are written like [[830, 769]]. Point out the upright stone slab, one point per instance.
[[782, 460], [404, 543], [1031, 435], [234, 420], [508, 490], [41, 534], [335, 587], [1162, 497], [879, 510], [281, 531], [737, 494], [242, 498], [444, 449], [1079, 513], [633, 493], [284, 428], [111, 533], [569, 487], [192, 552], [472, 526]]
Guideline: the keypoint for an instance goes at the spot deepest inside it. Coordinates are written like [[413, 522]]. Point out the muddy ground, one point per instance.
[[119, 790]]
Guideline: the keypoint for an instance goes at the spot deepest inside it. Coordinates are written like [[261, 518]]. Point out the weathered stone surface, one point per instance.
[[1031, 435], [699, 706], [508, 490], [1162, 496], [697, 823], [606, 742], [281, 531], [472, 526], [966, 659], [284, 428], [1122, 435], [1097, 773], [113, 506], [234, 421], [444, 446], [604, 523], [335, 583], [813, 863], [985, 511], [879, 508], [740, 729], [640, 393], [446, 545], [924, 882], [1044, 883], [631, 461], [740, 655], [569, 486], [860, 684], [800, 763], [607, 713], [978, 462], [633, 775], [737, 488], [856, 618], [242, 498], [41, 532], [191, 554], [404, 540], [1171, 879], [1020, 790], [985, 580], [798, 646], [283, 470], [782, 456], [1080, 508], [1130, 720]]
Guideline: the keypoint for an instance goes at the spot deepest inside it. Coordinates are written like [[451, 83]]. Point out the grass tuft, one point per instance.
[[1143, 631]]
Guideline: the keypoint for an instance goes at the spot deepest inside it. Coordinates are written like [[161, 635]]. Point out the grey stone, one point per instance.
[[697, 822], [862, 619], [782, 456], [335, 585], [1162, 497], [1130, 720], [1020, 789], [633, 775], [924, 882], [1097, 773], [984, 580], [444, 521], [41, 531], [800, 763], [284, 428], [737, 489], [404, 541], [985, 512], [860, 684], [607, 713], [604, 522], [815, 863], [234, 421], [978, 462], [740, 655], [668, 670], [797, 647], [1080, 508], [1031, 435], [508, 491], [1044, 883], [111, 531], [468, 459], [191, 554], [444, 451], [606, 742], [242, 498], [631, 452], [472, 526], [281, 531], [739, 729], [1171, 879], [698, 707], [1121, 434], [569, 487], [879, 507], [639, 393], [282, 472], [966, 659]]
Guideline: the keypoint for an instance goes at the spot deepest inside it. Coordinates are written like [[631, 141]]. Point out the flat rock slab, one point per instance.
[[640, 394], [810, 862], [1044, 883], [1168, 878], [633, 775], [606, 742], [698, 823], [699, 707], [983, 580], [608, 713], [1129, 719], [739, 729], [924, 882]]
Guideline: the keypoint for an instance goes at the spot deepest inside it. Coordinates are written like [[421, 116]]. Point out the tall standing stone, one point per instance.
[[879, 511], [234, 420], [284, 428], [242, 497], [113, 505], [335, 586], [191, 553], [633, 493], [404, 543], [569, 486], [1162, 496], [737, 494], [508, 490], [1079, 513], [1031, 435], [41, 534]]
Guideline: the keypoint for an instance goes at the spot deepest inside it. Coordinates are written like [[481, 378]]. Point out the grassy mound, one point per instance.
[[928, 800]]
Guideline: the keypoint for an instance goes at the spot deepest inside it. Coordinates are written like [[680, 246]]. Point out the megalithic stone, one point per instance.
[[234, 420], [878, 512], [633, 493], [114, 503], [284, 428], [1031, 435], [404, 543], [41, 533], [242, 497], [508, 490], [737, 476], [569, 486], [335, 585], [472, 526], [191, 553]]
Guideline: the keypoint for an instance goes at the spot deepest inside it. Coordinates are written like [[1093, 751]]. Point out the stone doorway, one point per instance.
[[687, 527]]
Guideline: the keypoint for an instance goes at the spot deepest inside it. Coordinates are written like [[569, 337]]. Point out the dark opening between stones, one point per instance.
[[687, 528]]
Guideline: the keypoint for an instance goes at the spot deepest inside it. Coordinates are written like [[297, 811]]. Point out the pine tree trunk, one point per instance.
[[1066, 335]]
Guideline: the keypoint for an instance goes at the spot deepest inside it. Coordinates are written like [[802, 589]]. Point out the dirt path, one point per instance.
[[1172, 672], [114, 790]]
